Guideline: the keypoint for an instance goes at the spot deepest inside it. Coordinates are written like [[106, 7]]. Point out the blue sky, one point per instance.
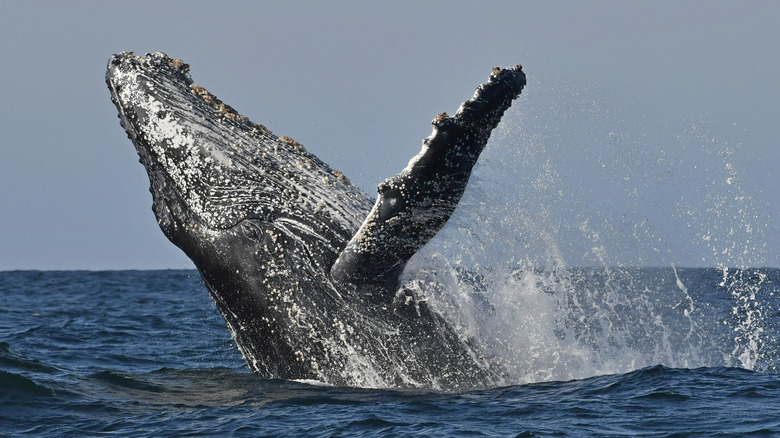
[[686, 95]]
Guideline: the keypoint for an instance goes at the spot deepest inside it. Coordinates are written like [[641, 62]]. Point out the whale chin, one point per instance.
[[304, 269]]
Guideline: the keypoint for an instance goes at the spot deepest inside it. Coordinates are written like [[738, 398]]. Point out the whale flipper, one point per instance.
[[415, 204]]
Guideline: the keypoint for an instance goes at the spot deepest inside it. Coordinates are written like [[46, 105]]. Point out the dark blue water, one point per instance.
[[145, 353]]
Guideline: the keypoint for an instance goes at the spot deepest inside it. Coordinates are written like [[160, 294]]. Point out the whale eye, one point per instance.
[[252, 230]]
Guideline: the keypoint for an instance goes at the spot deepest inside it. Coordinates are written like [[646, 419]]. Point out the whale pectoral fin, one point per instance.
[[415, 204]]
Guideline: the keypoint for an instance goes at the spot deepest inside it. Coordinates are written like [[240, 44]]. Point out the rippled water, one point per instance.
[[145, 353]]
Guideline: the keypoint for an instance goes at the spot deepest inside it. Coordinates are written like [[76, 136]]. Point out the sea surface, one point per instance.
[[145, 353]]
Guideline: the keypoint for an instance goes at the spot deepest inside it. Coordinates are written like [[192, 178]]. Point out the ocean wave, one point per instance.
[[17, 386]]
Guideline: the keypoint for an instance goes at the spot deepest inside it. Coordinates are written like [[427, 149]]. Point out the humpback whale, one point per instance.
[[303, 265]]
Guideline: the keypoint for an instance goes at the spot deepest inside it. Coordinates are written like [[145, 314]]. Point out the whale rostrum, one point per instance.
[[303, 269]]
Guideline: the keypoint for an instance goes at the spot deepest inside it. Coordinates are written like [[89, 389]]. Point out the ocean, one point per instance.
[[668, 352]]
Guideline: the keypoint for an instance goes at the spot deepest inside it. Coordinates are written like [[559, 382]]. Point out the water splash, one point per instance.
[[539, 262]]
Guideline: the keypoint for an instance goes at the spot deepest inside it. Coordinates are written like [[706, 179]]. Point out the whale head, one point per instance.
[[242, 203]]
